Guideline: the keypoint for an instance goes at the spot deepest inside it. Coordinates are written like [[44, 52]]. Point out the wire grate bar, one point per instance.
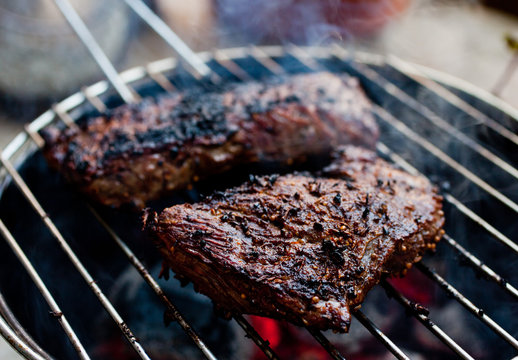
[[479, 220], [7, 315], [479, 265], [160, 79], [229, 64], [17, 343], [36, 137], [409, 70], [471, 258], [95, 50], [171, 309], [461, 299], [399, 94], [333, 351], [423, 142], [94, 100], [264, 345], [396, 92], [301, 55], [374, 330], [58, 314], [264, 59], [198, 66], [64, 116], [425, 320], [382, 148], [27, 193]]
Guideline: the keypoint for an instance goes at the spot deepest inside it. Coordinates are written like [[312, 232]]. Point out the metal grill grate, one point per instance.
[[381, 77]]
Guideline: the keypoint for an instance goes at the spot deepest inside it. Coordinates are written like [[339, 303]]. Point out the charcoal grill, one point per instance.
[[462, 138]]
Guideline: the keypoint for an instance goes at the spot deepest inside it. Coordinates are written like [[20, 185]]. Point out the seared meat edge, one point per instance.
[[251, 252]]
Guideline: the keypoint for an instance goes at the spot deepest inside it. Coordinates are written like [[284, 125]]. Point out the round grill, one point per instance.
[[76, 280]]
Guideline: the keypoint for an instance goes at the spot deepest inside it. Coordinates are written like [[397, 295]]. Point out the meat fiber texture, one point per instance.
[[137, 153], [302, 248]]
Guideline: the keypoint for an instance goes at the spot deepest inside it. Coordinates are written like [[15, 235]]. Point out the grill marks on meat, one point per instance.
[[139, 152], [302, 248]]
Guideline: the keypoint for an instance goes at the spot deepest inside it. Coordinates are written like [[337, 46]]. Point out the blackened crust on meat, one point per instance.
[[139, 152], [302, 248]]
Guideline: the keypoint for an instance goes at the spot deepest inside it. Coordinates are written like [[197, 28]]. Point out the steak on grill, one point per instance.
[[139, 152], [302, 248]]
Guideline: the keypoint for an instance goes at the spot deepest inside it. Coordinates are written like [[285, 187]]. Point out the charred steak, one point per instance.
[[302, 248], [136, 153]]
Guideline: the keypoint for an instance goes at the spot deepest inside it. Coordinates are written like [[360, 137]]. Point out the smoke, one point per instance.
[[306, 22]]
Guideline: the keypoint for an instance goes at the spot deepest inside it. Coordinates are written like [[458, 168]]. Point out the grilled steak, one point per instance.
[[136, 153], [302, 248]]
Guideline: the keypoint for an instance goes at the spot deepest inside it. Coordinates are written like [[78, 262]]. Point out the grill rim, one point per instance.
[[166, 65]]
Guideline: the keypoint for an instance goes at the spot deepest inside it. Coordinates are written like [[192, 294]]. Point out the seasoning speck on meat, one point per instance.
[[137, 153], [329, 252]]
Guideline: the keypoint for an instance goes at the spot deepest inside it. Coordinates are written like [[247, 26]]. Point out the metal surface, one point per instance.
[[335, 354], [394, 91], [200, 70], [424, 319], [54, 308], [265, 56], [374, 330], [17, 343], [422, 141], [95, 50], [172, 311], [27, 193], [461, 251], [22, 336], [419, 76], [183, 51], [475, 310]]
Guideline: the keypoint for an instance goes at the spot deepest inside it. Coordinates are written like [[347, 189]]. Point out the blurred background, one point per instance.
[[42, 60]]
